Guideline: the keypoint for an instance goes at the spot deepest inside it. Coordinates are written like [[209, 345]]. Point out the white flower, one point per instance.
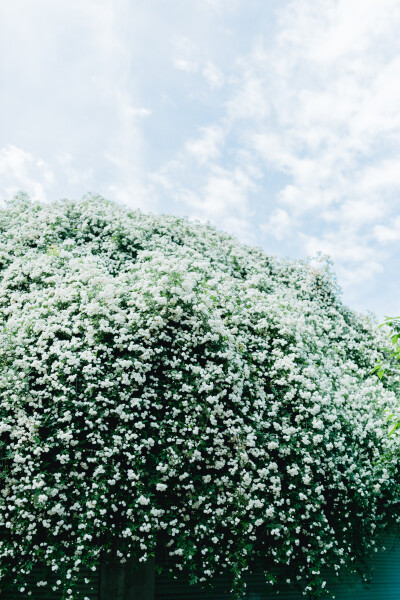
[[131, 340], [272, 445], [143, 500], [293, 470]]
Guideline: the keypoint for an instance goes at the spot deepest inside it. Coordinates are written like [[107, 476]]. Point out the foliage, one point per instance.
[[389, 365], [162, 384]]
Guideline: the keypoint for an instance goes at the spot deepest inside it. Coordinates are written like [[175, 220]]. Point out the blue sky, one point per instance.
[[277, 121]]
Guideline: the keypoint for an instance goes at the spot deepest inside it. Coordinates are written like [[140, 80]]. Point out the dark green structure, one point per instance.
[[384, 584], [138, 582]]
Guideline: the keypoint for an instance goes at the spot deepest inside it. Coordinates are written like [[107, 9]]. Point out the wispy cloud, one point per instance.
[[279, 122], [21, 170], [189, 58], [323, 100], [316, 104], [207, 147], [279, 224], [387, 234]]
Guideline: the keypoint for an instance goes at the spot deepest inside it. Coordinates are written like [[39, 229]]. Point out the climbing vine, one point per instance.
[[164, 387]]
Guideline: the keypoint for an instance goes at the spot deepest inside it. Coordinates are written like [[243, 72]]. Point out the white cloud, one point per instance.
[[386, 233], [321, 102], [186, 55], [355, 213], [223, 199], [226, 193], [74, 174], [185, 65], [340, 29], [355, 260], [135, 111], [277, 121], [380, 178], [190, 58], [213, 75], [317, 105], [250, 100], [217, 6], [21, 170], [133, 195], [352, 277], [207, 147], [278, 225]]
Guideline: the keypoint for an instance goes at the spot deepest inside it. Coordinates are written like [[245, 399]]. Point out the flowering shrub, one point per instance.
[[391, 365], [162, 384]]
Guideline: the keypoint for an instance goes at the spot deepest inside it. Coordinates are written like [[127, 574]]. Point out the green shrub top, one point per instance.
[[163, 387]]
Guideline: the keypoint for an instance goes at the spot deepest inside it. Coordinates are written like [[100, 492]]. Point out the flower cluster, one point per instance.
[[165, 389]]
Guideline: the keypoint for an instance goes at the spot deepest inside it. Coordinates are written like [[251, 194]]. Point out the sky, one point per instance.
[[276, 121]]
